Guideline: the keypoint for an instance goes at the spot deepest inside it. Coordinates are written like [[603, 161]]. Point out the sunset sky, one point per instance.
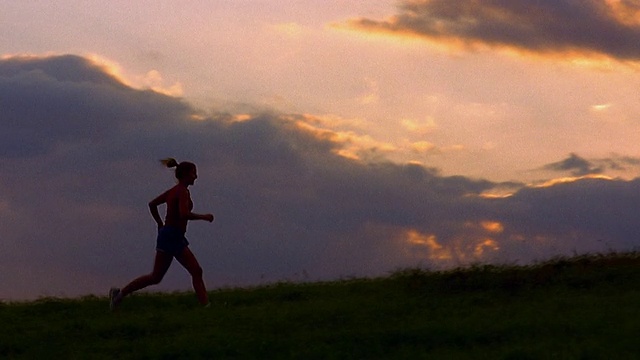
[[333, 138]]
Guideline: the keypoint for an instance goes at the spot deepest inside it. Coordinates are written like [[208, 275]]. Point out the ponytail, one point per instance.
[[169, 162], [182, 168]]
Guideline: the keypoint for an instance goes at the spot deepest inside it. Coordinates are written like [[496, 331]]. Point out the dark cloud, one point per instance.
[[68, 100], [621, 162], [587, 26], [576, 165], [592, 214], [82, 165], [65, 68]]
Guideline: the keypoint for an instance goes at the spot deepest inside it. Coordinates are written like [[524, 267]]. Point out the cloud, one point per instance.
[[593, 214], [419, 128], [154, 81], [79, 156], [576, 165], [68, 100], [609, 28]]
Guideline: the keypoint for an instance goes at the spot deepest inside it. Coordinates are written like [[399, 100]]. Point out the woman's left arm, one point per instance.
[[185, 209], [206, 217]]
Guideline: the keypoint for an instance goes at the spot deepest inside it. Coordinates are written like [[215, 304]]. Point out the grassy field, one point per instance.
[[580, 308]]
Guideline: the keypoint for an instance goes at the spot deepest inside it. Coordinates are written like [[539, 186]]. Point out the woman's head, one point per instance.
[[183, 169]]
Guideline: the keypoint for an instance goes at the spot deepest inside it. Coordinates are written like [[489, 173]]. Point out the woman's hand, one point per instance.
[[207, 217]]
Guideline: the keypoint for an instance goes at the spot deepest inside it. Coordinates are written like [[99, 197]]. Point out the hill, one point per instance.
[[586, 307]]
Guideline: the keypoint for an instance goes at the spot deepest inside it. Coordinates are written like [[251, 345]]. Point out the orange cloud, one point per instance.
[[419, 128], [492, 226], [469, 246], [350, 144], [428, 242], [486, 244], [570, 179], [151, 80], [625, 12], [422, 146], [154, 81]]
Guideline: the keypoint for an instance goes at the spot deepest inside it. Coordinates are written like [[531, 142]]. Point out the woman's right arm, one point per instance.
[[153, 207]]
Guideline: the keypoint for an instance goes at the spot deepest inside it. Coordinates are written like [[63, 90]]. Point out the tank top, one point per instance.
[[172, 218]]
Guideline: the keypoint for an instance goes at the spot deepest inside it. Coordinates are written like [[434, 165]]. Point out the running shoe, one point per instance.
[[114, 298]]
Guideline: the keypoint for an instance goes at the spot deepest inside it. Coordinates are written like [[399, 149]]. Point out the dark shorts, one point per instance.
[[171, 240]]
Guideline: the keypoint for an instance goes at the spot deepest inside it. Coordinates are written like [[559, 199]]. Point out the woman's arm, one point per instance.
[[185, 209], [206, 217], [153, 207]]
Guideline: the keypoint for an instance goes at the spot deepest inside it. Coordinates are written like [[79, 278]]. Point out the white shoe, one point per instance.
[[114, 298]]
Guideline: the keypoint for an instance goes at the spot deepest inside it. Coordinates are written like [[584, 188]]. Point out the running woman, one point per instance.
[[171, 241]]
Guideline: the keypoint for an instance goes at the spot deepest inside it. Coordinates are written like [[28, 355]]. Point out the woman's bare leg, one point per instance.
[[189, 261], [160, 266]]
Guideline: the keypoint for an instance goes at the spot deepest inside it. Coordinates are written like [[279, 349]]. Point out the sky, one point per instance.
[[333, 139]]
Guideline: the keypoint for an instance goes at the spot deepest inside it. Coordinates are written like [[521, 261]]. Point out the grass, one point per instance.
[[586, 307]]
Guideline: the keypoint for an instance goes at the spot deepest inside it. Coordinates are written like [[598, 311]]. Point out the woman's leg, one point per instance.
[[160, 266], [189, 261]]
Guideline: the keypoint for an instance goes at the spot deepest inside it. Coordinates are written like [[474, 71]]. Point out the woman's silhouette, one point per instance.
[[171, 241]]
